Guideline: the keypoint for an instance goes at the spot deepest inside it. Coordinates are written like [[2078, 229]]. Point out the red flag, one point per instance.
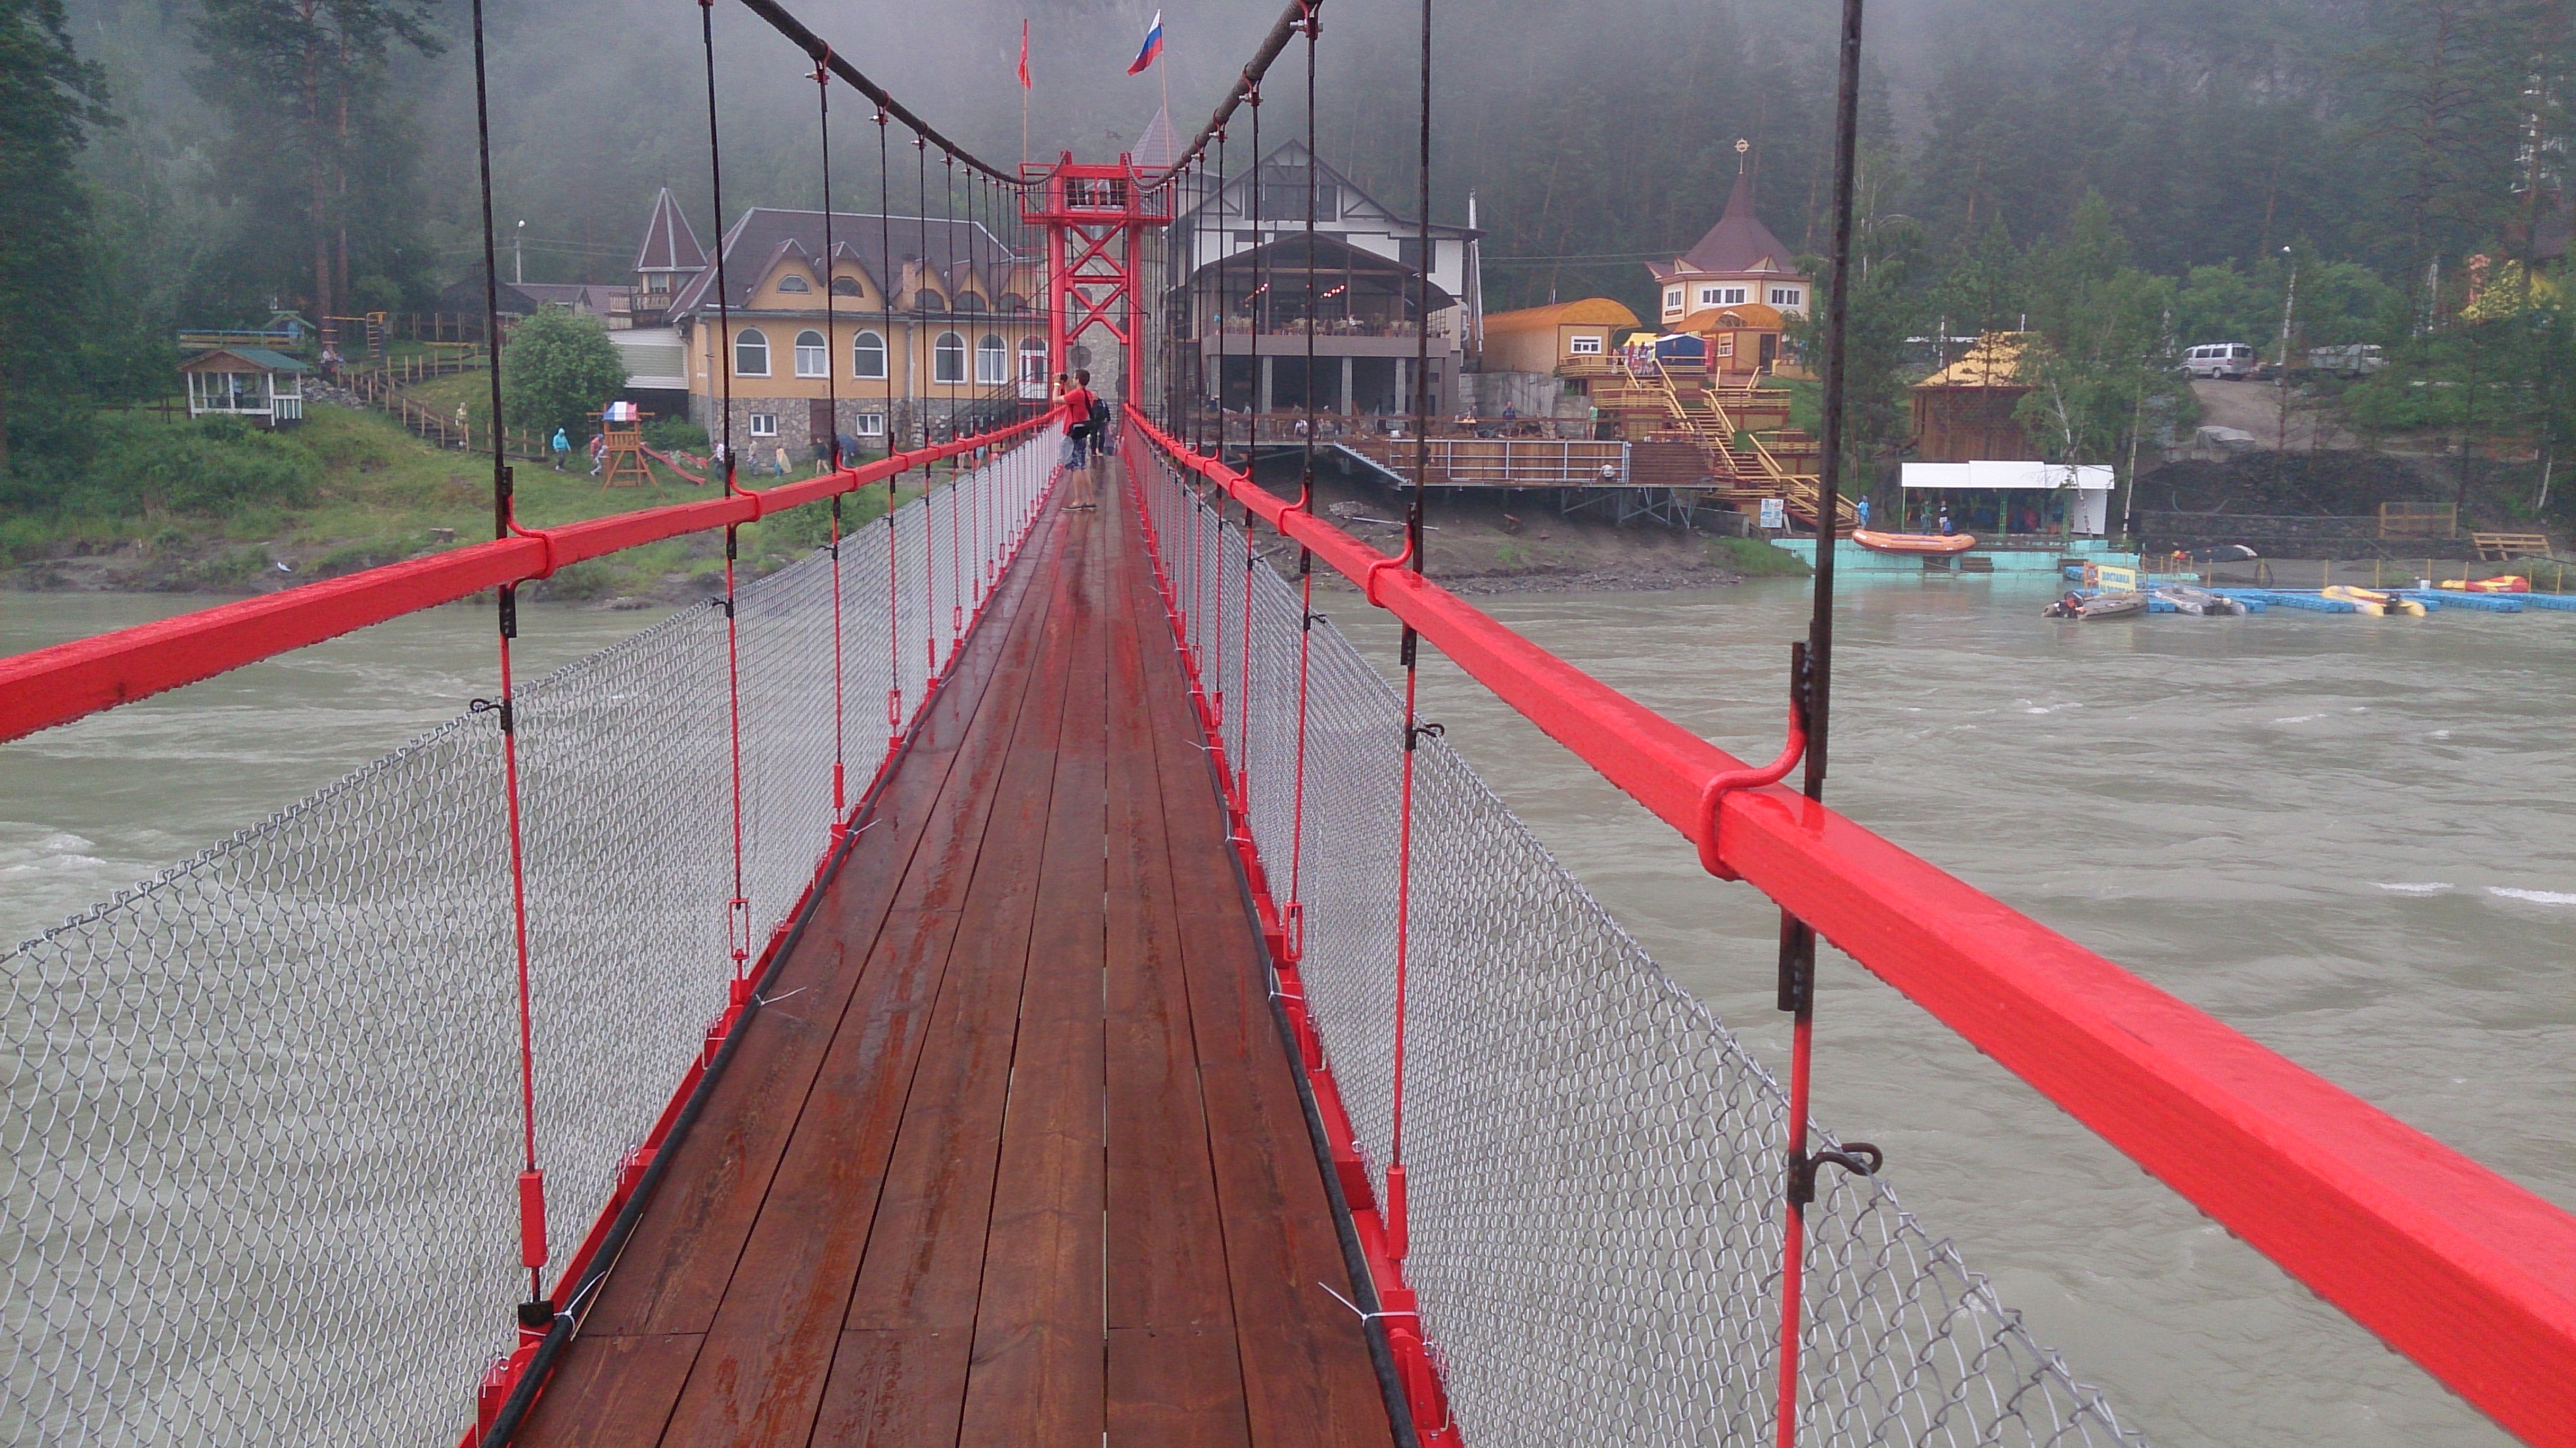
[[1024, 55]]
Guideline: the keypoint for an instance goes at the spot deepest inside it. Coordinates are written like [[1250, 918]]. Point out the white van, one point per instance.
[[2231, 360]]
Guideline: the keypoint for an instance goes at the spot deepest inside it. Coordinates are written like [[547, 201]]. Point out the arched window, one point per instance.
[[1033, 360], [750, 353], [970, 301], [847, 287], [928, 300], [992, 362], [813, 354], [948, 359], [794, 283], [867, 356], [1014, 302]]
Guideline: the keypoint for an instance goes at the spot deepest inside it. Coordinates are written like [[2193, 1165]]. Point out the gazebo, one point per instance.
[[251, 382]]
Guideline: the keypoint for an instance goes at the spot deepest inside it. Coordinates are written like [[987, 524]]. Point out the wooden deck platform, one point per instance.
[[1015, 1157]]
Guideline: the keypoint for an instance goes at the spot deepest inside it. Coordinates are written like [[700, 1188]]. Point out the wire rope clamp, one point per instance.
[[1368, 588], [1713, 794]]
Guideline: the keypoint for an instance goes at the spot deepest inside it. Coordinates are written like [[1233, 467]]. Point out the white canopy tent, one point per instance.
[[2091, 482]]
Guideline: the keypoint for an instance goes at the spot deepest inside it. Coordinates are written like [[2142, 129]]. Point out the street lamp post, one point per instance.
[[2281, 370], [518, 261]]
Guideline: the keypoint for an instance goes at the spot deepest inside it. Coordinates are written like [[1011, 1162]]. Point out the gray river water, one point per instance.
[[2354, 839]]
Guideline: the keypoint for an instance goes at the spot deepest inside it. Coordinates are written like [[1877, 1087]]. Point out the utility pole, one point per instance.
[[518, 260], [2281, 371]]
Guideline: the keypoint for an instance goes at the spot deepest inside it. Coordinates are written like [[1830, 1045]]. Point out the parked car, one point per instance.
[[2233, 361], [2357, 360]]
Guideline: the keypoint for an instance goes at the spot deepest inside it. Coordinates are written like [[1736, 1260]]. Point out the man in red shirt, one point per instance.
[[1079, 403]]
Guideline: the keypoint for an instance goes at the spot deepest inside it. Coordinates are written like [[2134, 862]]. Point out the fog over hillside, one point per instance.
[[1596, 133]]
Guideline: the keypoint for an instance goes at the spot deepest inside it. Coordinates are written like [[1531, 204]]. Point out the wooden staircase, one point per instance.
[[1727, 425]]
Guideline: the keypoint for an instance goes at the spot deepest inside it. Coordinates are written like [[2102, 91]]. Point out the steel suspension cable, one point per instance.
[[886, 282], [956, 525], [1797, 938], [536, 1312], [1397, 1226], [738, 909], [832, 406], [929, 520], [1293, 917], [1251, 457]]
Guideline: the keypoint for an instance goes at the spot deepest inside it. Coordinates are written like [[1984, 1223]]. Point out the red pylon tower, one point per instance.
[[1092, 216]]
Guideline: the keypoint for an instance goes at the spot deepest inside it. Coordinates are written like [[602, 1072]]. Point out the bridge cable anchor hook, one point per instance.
[[1849, 1156], [1792, 749]]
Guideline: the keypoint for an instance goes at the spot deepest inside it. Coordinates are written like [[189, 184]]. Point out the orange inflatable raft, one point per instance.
[[1913, 542], [2509, 583]]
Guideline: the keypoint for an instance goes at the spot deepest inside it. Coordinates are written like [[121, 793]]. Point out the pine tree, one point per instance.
[[49, 100], [312, 147]]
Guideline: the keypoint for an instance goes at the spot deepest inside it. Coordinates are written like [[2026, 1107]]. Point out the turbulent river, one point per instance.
[[2354, 839]]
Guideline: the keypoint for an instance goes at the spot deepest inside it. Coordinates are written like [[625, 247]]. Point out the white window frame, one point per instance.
[[791, 282], [1788, 296], [1728, 297], [758, 338], [992, 360], [764, 424], [942, 348], [814, 359], [1672, 299], [859, 371], [1708, 297], [1584, 346], [869, 424], [1033, 360]]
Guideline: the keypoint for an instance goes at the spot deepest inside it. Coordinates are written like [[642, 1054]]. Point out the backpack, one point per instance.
[[1099, 412]]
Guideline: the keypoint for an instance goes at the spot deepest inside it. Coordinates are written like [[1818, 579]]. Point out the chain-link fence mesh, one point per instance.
[[257, 1176], [1593, 1163]]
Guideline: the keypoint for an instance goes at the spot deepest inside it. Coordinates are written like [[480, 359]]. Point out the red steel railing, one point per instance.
[[2468, 1274], [56, 685]]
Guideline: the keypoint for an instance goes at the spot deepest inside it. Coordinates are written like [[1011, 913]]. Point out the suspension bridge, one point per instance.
[[1020, 974]]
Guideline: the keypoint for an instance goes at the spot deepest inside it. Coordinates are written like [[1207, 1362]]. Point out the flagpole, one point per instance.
[[1024, 94]]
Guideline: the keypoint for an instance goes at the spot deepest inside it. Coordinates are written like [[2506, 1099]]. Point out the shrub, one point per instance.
[[1755, 558], [216, 468]]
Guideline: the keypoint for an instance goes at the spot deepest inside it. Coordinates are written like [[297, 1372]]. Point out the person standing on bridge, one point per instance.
[[1079, 404]]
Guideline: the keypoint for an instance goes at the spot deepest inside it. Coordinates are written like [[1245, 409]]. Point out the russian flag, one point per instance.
[[1152, 47]]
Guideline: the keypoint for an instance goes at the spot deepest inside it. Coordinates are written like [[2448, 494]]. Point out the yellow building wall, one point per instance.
[[909, 359]]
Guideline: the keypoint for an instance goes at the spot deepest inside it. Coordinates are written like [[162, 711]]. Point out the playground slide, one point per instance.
[[665, 460]]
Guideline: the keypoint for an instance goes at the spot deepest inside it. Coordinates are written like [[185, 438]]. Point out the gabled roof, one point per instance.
[[1230, 203], [1995, 361], [1159, 147], [1739, 244], [1745, 316], [260, 359], [1285, 263], [669, 244], [1598, 311], [757, 242]]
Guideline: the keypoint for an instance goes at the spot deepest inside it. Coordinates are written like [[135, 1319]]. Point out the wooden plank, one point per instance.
[[1174, 1386], [672, 1273], [616, 1392], [894, 1388], [1307, 1377], [1037, 1379], [760, 1377], [1174, 1374], [685, 1250], [925, 1257]]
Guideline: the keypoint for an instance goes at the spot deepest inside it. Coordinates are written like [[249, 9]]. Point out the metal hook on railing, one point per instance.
[[1714, 793], [1368, 588]]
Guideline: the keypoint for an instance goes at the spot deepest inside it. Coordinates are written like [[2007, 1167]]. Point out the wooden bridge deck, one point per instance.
[[1015, 1157]]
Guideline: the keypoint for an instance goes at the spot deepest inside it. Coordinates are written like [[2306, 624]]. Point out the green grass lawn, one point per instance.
[[377, 495]]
